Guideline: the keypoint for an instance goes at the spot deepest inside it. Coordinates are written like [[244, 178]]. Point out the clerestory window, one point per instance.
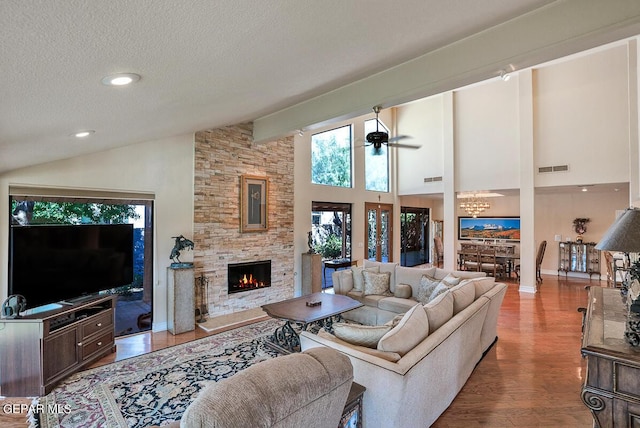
[[331, 158]]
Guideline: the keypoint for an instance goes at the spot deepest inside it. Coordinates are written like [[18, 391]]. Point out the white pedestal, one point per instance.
[[311, 273], [181, 315]]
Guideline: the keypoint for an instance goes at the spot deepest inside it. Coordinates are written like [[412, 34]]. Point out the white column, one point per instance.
[[634, 151], [527, 183], [448, 182]]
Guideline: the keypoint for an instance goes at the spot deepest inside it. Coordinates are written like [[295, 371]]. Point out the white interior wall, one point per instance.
[[164, 168], [486, 136], [581, 109], [422, 121]]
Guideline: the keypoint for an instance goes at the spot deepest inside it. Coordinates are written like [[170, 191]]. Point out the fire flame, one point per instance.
[[249, 282]]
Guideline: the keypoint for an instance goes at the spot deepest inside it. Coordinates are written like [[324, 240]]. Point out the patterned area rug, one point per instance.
[[154, 388]]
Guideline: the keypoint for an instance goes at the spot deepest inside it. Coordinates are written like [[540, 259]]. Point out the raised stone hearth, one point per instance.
[[221, 157]]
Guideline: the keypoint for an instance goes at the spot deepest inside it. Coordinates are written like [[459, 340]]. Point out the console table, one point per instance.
[[40, 350], [612, 386]]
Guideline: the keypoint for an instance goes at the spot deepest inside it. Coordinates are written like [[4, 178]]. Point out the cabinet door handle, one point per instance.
[[99, 324], [99, 343], [79, 343]]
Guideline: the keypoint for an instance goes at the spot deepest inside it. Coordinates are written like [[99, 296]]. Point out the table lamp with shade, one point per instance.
[[624, 236]]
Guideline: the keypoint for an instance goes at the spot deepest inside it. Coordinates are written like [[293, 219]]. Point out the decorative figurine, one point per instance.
[[310, 242], [182, 243]]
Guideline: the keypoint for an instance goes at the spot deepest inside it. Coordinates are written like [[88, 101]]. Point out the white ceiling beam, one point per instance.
[[553, 31]]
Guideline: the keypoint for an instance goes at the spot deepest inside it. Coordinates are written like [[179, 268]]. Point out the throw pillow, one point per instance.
[[361, 335], [394, 322], [376, 283], [412, 329], [425, 289], [451, 280], [403, 291], [358, 280], [439, 311], [441, 288]]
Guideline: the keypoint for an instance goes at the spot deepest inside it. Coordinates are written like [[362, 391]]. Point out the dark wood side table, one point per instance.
[[352, 413], [612, 386], [335, 265]]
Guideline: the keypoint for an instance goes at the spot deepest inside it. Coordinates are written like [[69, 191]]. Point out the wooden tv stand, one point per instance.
[[41, 349]]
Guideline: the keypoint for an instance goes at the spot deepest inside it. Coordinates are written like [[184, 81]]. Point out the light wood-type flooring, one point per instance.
[[531, 377]]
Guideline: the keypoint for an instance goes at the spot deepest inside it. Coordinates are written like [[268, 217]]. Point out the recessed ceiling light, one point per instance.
[[120, 79], [84, 134]]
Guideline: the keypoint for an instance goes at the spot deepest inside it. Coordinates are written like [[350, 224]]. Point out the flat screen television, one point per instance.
[[58, 263]]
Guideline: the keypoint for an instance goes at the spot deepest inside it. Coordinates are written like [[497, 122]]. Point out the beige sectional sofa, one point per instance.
[[428, 354]]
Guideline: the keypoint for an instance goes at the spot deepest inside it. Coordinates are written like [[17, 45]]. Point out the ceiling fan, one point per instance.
[[377, 138]]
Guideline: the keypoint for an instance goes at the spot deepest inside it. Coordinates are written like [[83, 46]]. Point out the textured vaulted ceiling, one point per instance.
[[204, 63]]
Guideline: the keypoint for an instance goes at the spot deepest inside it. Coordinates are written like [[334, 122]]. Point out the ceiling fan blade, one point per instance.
[[399, 137], [403, 146]]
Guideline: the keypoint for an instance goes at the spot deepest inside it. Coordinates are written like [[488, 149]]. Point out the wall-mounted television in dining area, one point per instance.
[[489, 228], [62, 263]]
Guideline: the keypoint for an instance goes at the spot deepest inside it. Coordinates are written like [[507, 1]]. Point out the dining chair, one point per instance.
[[438, 250], [471, 260], [539, 257], [489, 262], [608, 259]]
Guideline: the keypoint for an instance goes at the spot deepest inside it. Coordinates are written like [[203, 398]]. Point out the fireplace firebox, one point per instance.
[[249, 276]]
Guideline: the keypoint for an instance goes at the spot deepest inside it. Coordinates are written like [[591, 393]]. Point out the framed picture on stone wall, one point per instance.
[[253, 203]]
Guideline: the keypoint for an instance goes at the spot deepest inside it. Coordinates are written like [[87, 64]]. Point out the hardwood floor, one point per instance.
[[531, 377]]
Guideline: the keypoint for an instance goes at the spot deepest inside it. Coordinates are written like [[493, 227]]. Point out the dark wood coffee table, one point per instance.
[[299, 312]]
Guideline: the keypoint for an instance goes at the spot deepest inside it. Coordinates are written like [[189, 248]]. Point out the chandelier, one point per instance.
[[474, 204]]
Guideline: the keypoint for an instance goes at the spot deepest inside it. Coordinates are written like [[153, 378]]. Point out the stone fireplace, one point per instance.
[[221, 156], [248, 276]]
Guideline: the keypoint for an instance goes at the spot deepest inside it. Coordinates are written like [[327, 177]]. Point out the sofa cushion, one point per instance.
[[361, 335], [412, 329], [412, 276], [439, 310], [358, 279], [389, 356], [463, 295], [464, 274], [425, 289], [384, 267], [371, 300], [343, 282], [483, 284], [395, 304], [403, 291], [376, 283]]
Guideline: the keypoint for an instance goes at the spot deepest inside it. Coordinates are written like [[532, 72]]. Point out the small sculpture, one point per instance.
[[310, 243], [182, 243]]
